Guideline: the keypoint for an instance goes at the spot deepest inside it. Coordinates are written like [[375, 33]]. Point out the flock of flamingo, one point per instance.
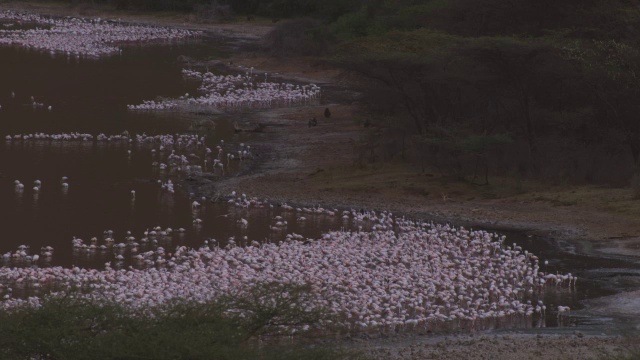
[[34, 104], [400, 275], [37, 185], [80, 37], [236, 92], [386, 274], [171, 153]]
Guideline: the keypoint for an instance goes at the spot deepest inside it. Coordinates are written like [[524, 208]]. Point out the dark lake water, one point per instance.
[[90, 96]]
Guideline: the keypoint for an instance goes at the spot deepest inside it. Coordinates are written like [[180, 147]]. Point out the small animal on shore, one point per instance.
[[313, 122], [327, 113]]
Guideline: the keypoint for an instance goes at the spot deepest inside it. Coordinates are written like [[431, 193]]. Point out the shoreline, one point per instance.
[[315, 166]]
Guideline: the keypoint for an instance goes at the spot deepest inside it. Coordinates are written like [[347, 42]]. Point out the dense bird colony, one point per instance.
[[400, 275], [74, 136], [179, 140], [171, 153], [237, 92], [184, 154], [80, 37]]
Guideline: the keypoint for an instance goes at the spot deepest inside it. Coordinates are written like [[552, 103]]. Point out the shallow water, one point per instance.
[[8, 25], [90, 96], [596, 278]]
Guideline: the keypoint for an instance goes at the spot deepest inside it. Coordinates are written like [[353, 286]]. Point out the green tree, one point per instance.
[[612, 71]]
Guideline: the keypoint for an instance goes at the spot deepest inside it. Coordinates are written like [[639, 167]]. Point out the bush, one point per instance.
[[213, 12], [635, 185], [352, 25], [304, 36], [222, 329]]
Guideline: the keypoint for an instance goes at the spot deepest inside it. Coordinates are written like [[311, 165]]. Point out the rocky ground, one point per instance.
[[322, 165]]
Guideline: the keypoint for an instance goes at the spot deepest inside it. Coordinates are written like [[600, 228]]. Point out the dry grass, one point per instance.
[[618, 201]]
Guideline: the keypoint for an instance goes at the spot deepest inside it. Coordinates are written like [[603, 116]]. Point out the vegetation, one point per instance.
[[543, 89], [269, 8], [227, 328]]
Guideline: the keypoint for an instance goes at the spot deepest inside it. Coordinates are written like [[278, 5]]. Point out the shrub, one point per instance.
[[213, 12], [635, 185], [303, 36], [70, 328]]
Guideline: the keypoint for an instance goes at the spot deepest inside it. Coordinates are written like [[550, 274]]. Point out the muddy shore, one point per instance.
[[319, 166]]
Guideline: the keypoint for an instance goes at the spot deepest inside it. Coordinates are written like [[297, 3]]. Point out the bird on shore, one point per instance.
[[327, 113]]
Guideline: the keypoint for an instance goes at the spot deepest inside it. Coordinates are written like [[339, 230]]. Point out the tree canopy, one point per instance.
[[558, 78]]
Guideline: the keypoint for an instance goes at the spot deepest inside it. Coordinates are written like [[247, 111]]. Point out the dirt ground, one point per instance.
[[321, 165], [504, 347]]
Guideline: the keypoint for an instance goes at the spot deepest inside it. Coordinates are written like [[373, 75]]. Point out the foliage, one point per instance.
[[326, 9], [480, 144], [635, 185], [302, 36], [613, 59], [559, 77], [611, 69], [68, 328], [213, 12], [354, 24], [416, 46]]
